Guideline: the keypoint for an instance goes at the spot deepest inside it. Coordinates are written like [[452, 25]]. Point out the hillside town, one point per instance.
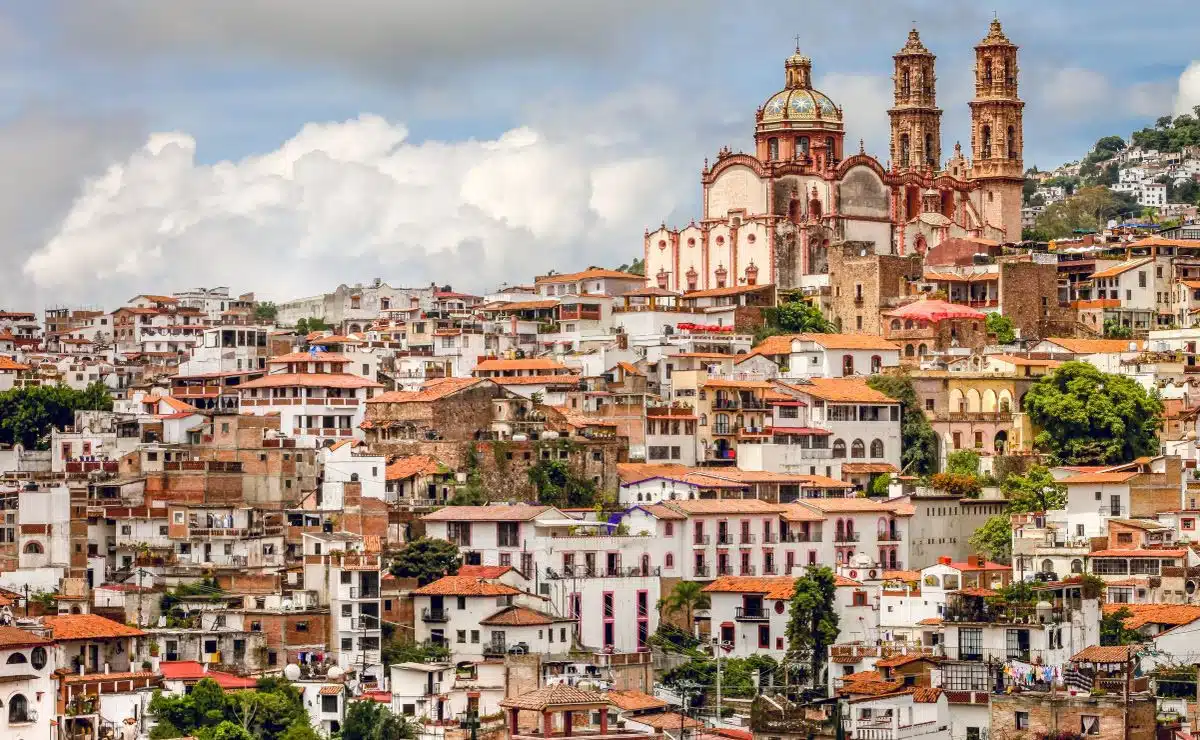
[[853, 456]]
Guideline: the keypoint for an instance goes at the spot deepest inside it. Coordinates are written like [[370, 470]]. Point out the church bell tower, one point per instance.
[[997, 135], [916, 119]]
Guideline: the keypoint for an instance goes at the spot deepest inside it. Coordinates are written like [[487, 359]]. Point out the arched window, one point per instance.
[[839, 448], [802, 147], [930, 157], [847, 364], [703, 420], [1047, 566], [985, 134], [876, 448], [829, 153], [34, 548], [896, 324], [645, 565], [858, 449], [908, 350], [876, 363], [1011, 140], [987, 72], [18, 709], [669, 560], [905, 84], [841, 531], [17, 658], [922, 350], [904, 148], [354, 477], [1076, 566], [773, 149], [908, 323]]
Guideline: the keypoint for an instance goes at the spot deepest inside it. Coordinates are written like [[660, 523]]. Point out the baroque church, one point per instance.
[[771, 216]]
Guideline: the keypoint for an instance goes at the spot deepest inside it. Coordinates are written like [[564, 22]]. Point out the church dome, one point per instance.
[[800, 105], [798, 101]]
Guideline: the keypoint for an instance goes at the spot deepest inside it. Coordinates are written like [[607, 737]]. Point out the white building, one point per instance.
[[347, 581]]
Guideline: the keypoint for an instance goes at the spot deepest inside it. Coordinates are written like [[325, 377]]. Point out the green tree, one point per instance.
[[472, 493], [792, 317], [300, 730], [1113, 630], [1087, 417], [1114, 330], [963, 462], [1087, 210], [955, 484], [1002, 327], [28, 414], [994, 539], [918, 440], [1034, 492], [637, 267], [1110, 144], [427, 560], [812, 622], [557, 485], [881, 485], [686, 596], [369, 720], [266, 311], [226, 731]]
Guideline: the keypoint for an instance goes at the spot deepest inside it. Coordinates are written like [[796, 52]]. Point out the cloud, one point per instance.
[[1088, 93], [392, 39], [865, 100], [1187, 93], [353, 199]]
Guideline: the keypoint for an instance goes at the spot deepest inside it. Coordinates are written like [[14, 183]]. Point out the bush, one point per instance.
[[964, 486]]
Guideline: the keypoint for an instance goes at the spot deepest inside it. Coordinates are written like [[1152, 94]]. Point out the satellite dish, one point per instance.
[[334, 673], [291, 671]]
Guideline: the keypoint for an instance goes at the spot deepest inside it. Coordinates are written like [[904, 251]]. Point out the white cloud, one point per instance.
[[1187, 94], [353, 199], [1071, 92], [865, 100]]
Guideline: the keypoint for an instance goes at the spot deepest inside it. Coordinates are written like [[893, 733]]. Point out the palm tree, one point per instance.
[[688, 596]]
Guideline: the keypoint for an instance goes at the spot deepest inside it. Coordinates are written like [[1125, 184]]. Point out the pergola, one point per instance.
[[557, 699]]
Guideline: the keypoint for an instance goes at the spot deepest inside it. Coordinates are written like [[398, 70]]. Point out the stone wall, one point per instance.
[[1029, 296], [884, 278], [1047, 715]]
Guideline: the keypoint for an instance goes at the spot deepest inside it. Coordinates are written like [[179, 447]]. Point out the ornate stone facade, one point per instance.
[[771, 216]]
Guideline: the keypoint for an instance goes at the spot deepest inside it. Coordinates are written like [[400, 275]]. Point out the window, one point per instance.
[[474, 637], [1021, 720], [37, 658], [302, 626], [669, 561], [461, 637], [329, 704], [1089, 724], [970, 643], [18, 709]]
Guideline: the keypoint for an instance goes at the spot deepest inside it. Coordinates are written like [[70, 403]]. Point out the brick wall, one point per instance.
[[1064, 713], [883, 278], [1029, 296]]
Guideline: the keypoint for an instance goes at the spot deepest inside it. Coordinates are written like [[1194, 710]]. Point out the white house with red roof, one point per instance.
[[828, 355], [179, 676], [592, 281], [499, 534], [27, 665], [318, 401]]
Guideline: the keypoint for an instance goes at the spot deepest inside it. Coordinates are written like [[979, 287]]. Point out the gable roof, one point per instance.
[[1096, 346], [484, 571], [1122, 268], [15, 637], [432, 390], [781, 344], [592, 273], [532, 363], [633, 701], [87, 627], [403, 468], [1173, 615], [850, 390], [1116, 476], [464, 586], [520, 616]]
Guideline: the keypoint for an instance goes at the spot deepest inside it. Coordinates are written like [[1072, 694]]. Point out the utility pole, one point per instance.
[[139, 588], [27, 599], [717, 652]]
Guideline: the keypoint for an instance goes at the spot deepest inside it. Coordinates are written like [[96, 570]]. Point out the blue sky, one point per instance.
[[614, 106]]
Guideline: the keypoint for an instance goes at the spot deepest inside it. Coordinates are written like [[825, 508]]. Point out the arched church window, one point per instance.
[[985, 135], [895, 324], [773, 149], [904, 147], [829, 153], [1012, 142], [905, 88], [987, 72], [929, 153], [802, 146]]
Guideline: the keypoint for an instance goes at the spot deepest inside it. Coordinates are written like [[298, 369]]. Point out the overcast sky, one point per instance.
[[285, 146]]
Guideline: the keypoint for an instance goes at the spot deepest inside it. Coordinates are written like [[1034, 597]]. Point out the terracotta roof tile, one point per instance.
[[1122, 268], [1105, 654], [727, 506], [926, 694], [850, 390], [484, 571], [464, 586], [872, 688], [562, 379], [310, 380], [777, 587], [1165, 614], [558, 695], [1095, 346], [896, 661], [633, 701], [1170, 554], [667, 721], [518, 616], [87, 627], [432, 390], [852, 505], [862, 676], [331, 689], [592, 273], [782, 343], [406, 467], [12, 637], [532, 363], [309, 357], [1117, 476]]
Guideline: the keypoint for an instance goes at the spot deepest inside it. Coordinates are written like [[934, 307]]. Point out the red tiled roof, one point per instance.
[[777, 587], [563, 379], [592, 273], [1105, 654], [14, 637], [896, 661], [310, 380], [517, 616], [432, 390], [1117, 476], [976, 591], [851, 390], [967, 567], [926, 694], [407, 467], [309, 357], [464, 586], [633, 701], [331, 690], [1166, 614], [87, 627], [533, 363], [666, 721], [1138, 553], [557, 695], [484, 571]]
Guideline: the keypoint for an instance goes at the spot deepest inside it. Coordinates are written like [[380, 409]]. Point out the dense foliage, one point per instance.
[[1034, 492], [963, 462], [1001, 326], [740, 677], [1170, 134], [1089, 209], [957, 484], [266, 311], [304, 326], [994, 539], [426, 559], [369, 720], [209, 713], [27, 415], [812, 623], [1113, 630], [395, 651], [472, 493], [637, 267], [557, 485], [792, 317], [918, 440], [686, 597], [1087, 417]]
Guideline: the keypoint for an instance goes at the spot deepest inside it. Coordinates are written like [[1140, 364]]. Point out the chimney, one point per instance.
[[944, 560]]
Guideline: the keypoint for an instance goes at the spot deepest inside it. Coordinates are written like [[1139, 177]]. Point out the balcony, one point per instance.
[[840, 537], [748, 570], [888, 537], [1111, 511], [724, 539], [701, 571], [770, 538], [582, 571], [769, 569], [724, 570], [801, 537], [750, 614], [747, 539], [701, 540], [434, 615], [495, 648]]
